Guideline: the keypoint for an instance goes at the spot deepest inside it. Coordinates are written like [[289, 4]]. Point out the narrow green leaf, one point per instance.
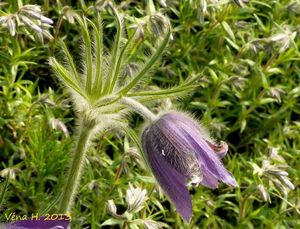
[[259, 22], [5, 56], [71, 62], [120, 61], [183, 88], [87, 54], [111, 222], [64, 75], [228, 30], [3, 190], [115, 53], [243, 125], [98, 55], [148, 65], [50, 206], [266, 100], [213, 74], [171, 91], [234, 45]]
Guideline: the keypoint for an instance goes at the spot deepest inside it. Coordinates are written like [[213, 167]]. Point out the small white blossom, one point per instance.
[[29, 16], [135, 198], [284, 39], [265, 195], [58, 124], [112, 209], [151, 224], [11, 172]]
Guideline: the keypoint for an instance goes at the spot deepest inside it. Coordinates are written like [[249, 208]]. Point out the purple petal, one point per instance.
[[177, 149], [171, 181], [220, 149], [210, 161], [183, 120], [193, 127], [209, 180], [169, 138], [42, 222], [191, 136]]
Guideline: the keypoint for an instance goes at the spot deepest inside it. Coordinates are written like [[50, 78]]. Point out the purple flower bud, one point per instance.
[[59, 221], [179, 152]]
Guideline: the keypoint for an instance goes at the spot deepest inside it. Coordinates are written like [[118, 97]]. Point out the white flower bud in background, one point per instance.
[[94, 186], [203, 6], [202, 10], [28, 16], [278, 172], [158, 24], [35, 13], [276, 93], [33, 8], [294, 7], [264, 194], [57, 124], [279, 186], [237, 82], [30, 24], [133, 153], [112, 210], [135, 199], [286, 181], [273, 172], [111, 207], [11, 25], [151, 224], [284, 39], [256, 45], [273, 155], [240, 3], [241, 24], [101, 4], [3, 19], [9, 172], [69, 14], [162, 3]]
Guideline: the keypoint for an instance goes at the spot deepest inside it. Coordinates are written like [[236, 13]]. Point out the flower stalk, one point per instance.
[[74, 175], [139, 108]]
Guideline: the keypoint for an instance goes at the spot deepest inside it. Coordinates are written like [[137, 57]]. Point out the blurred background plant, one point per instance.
[[246, 56], [135, 200]]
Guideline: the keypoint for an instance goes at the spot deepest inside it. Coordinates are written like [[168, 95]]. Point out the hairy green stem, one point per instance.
[[75, 170], [84, 137]]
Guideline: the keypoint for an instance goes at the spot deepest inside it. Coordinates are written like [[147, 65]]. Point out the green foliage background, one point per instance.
[[247, 59]]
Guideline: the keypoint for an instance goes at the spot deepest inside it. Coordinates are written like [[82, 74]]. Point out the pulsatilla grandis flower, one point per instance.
[[179, 153]]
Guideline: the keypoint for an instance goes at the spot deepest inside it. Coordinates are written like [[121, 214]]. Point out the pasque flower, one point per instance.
[[104, 90], [179, 153]]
